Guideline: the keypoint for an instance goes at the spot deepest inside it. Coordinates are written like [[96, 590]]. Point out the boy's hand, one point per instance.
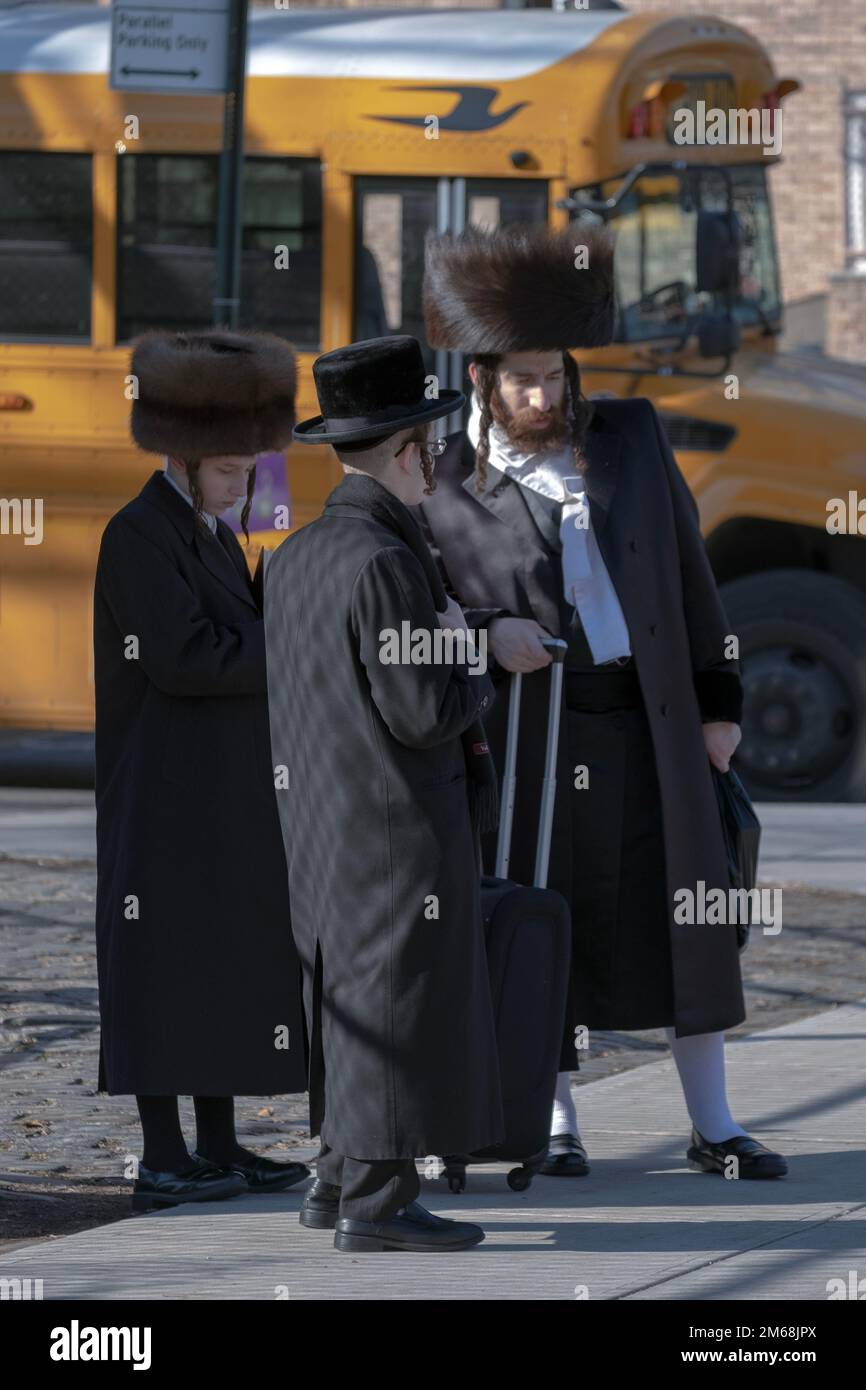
[[516, 643]]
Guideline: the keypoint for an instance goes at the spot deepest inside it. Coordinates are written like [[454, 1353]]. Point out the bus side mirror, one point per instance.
[[717, 253]]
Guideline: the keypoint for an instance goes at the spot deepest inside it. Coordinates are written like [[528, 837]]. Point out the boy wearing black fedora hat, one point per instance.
[[386, 778]]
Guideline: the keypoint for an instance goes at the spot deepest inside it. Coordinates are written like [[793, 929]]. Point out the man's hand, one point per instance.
[[516, 644], [721, 740], [453, 616]]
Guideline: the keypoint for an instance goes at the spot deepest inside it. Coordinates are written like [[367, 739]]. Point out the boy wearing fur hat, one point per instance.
[[199, 981], [386, 779], [556, 515]]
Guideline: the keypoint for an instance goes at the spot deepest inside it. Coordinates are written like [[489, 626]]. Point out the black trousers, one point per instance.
[[622, 972], [370, 1189]]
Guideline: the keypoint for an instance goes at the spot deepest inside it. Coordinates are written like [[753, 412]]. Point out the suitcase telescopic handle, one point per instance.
[[557, 648]]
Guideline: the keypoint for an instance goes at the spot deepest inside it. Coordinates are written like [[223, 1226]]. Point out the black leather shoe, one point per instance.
[[416, 1229], [753, 1159], [321, 1206], [566, 1158], [203, 1183], [265, 1174]]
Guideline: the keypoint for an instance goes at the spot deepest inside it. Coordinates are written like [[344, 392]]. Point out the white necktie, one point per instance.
[[586, 583]]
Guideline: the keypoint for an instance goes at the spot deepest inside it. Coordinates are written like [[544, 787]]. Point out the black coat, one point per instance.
[[496, 561], [193, 989], [383, 872]]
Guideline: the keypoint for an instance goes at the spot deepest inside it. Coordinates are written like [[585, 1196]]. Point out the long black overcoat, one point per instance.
[[494, 558], [383, 871], [199, 979]]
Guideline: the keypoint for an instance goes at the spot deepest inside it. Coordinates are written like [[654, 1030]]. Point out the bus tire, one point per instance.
[[803, 660]]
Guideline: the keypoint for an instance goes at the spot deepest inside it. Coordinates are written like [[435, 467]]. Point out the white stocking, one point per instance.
[[701, 1064], [564, 1118]]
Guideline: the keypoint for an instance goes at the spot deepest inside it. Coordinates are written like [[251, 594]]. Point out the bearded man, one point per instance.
[[554, 515]]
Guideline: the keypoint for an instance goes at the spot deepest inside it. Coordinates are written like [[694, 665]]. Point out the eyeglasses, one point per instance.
[[432, 447]]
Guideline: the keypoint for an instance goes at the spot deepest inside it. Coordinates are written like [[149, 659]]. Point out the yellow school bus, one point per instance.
[[362, 129]]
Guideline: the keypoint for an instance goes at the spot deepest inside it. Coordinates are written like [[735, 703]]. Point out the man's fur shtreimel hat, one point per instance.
[[213, 392], [519, 288]]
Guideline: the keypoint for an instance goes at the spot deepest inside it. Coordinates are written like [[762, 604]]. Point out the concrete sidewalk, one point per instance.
[[640, 1226]]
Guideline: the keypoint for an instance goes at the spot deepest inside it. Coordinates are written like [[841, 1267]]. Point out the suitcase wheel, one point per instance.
[[455, 1172], [519, 1179]]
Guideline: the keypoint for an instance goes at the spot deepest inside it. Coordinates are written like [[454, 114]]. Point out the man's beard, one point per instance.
[[527, 438]]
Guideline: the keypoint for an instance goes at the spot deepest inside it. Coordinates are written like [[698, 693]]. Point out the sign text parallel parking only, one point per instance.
[[169, 48]]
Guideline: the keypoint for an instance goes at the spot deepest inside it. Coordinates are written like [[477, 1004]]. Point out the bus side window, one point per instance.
[[46, 246], [166, 245]]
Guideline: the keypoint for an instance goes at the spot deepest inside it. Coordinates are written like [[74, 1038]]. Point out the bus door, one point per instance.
[[391, 218]]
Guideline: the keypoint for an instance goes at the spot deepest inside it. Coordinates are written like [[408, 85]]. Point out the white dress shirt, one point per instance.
[[586, 583]]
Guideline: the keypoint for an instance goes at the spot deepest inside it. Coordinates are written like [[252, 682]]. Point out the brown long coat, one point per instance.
[[496, 562]]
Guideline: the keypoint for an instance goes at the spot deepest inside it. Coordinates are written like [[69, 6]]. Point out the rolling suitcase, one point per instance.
[[527, 933]]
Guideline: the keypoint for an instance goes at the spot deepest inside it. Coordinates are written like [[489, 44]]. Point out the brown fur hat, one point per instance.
[[213, 392], [517, 289]]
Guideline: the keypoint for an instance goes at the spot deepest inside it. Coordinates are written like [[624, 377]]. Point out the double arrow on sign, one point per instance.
[[158, 72]]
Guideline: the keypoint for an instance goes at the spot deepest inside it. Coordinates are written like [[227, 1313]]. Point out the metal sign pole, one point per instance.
[[226, 302]]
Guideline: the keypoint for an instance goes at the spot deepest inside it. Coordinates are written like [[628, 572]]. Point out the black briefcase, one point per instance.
[[741, 830], [527, 933]]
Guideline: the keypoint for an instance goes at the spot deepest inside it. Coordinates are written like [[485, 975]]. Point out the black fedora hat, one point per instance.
[[370, 390]]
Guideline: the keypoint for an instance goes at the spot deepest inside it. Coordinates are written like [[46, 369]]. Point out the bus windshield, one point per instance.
[[656, 228]]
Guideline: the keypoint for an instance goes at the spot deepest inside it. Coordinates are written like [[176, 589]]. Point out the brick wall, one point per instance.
[[846, 317]]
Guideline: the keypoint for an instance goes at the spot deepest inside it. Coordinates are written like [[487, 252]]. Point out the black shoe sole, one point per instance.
[[701, 1164], [355, 1244], [318, 1220], [562, 1171], [147, 1201]]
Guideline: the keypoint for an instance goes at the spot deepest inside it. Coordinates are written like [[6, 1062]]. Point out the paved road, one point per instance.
[[43, 824], [820, 845]]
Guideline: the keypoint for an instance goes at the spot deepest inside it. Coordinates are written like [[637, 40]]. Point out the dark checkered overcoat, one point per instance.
[[383, 877]]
